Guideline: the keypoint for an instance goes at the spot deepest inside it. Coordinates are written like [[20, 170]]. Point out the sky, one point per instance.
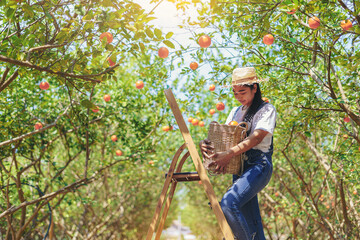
[[168, 19]]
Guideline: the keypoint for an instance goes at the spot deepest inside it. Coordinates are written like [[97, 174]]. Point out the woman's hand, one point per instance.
[[206, 148], [221, 160]]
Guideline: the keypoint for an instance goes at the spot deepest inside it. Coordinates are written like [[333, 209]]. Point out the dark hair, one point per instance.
[[257, 101]]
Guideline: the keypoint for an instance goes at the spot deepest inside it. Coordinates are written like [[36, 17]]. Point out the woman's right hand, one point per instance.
[[206, 147]]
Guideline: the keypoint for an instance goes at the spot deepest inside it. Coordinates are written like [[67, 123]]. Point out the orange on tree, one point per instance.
[[151, 162], [355, 192], [165, 128], [114, 138], [139, 84], [268, 39], [108, 36], [233, 123], [44, 85], [212, 111], [163, 52], [212, 87], [201, 123], [292, 11], [346, 24], [107, 97], [220, 106], [194, 65], [38, 125], [118, 152], [204, 41], [190, 119], [314, 22], [111, 63], [95, 110], [195, 122], [265, 99], [346, 119]]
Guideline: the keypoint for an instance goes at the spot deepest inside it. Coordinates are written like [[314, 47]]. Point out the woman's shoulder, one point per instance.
[[267, 108]]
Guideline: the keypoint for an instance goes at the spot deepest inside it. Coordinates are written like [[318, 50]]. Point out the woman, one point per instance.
[[240, 202]]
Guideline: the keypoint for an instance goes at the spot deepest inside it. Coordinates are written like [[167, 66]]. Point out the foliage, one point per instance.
[[314, 84]]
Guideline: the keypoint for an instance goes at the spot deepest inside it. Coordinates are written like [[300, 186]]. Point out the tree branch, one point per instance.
[[61, 74]]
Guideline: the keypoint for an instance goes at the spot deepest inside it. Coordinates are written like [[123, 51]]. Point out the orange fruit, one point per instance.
[[165, 128], [233, 123], [277, 194], [268, 39], [212, 87], [163, 52], [195, 122], [204, 41], [355, 192], [38, 125], [212, 111], [139, 84], [44, 85], [220, 106], [346, 24], [292, 11], [95, 110], [346, 119], [111, 63], [107, 97], [114, 138], [201, 123], [265, 99], [200, 182], [118, 152], [108, 36], [190, 119], [314, 22], [194, 65], [151, 162]]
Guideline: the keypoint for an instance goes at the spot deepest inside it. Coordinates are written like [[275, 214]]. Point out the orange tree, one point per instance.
[[313, 71], [60, 176]]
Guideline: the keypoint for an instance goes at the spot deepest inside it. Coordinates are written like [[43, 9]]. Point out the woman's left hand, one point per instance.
[[221, 160]]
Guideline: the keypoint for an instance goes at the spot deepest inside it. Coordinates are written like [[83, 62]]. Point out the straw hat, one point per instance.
[[245, 75]]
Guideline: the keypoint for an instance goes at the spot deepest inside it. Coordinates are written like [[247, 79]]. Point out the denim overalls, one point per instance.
[[240, 203]]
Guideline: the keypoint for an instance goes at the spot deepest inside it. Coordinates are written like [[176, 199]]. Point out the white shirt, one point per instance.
[[263, 119]]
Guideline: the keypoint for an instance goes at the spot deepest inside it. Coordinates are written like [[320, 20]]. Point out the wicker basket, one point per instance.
[[223, 137]]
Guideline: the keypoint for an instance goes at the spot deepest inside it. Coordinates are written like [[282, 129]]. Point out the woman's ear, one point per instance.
[[255, 87]]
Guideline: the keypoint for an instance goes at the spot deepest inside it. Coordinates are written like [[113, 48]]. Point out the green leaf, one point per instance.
[[169, 44], [158, 33], [88, 104], [9, 13], [308, 134], [142, 46], [293, 40], [169, 35], [149, 33]]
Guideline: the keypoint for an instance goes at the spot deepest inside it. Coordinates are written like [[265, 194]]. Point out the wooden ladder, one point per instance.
[[175, 175]]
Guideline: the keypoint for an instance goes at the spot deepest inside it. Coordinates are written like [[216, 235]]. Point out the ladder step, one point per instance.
[[185, 176]]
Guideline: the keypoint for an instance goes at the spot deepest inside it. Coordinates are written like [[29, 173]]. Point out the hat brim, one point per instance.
[[257, 80]]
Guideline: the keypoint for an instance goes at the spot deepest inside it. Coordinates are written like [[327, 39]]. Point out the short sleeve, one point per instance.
[[231, 115], [265, 119]]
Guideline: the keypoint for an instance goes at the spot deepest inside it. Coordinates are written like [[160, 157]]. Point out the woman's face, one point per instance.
[[244, 94]]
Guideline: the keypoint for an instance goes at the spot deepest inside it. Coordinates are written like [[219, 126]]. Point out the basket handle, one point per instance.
[[243, 123]]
